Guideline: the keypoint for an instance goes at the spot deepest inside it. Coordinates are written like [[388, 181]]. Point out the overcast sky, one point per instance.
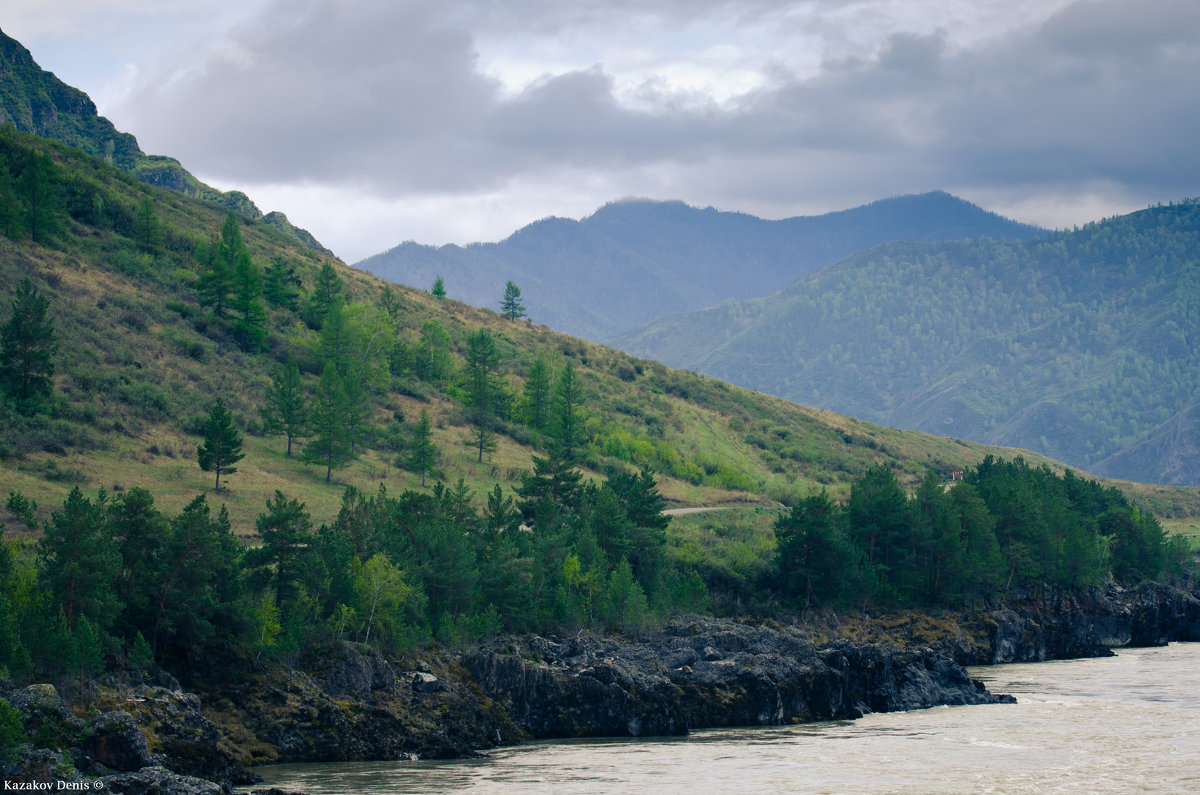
[[372, 122]]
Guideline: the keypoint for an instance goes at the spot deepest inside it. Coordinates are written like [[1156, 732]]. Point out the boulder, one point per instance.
[[157, 780], [425, 683], [118, 742]]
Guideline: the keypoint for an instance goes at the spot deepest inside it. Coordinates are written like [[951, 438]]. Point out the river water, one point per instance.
[[1129, 723]]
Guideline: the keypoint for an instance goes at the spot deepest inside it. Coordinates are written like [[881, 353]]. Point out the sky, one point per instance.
[[374, 122]]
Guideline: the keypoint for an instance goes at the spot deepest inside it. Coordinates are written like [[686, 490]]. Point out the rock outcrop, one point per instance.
[[350, 703], [706, 673], [1059, 625]]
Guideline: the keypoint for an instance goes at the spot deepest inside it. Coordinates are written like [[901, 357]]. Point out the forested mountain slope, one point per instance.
[[632, 261], [1083, 346], [35, 101]]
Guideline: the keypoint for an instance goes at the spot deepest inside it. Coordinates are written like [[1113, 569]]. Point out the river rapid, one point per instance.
[[1129, 723]]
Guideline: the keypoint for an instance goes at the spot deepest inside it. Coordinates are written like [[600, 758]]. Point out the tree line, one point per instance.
[[1006, 525]]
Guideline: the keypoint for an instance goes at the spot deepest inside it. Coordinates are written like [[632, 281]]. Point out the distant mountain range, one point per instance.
[[35, 101], [636, 260], [1082, 345]]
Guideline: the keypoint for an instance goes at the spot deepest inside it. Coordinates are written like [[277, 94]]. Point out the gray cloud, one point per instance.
[[391, 98]]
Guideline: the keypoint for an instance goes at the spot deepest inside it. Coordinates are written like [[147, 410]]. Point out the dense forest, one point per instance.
[[1078, 346], [116, 583]]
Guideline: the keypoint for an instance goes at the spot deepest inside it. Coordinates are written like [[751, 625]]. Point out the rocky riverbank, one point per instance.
[[349, 703]]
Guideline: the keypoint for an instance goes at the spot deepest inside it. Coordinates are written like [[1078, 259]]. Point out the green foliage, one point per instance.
[[281, 284], [327, 289], [566, 422], [1006, 525], [286, 409], [12, 732], [510, 305], [1042, 345], [422, 456], [81, 561], [222, 446], [332, 442], [27, 349], [439, 288], [482, 361]]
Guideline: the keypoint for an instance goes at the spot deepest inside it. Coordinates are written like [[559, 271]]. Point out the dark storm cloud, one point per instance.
[[391, 98]]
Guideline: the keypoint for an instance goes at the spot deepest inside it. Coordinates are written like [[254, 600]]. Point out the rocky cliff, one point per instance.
[[350, 703]]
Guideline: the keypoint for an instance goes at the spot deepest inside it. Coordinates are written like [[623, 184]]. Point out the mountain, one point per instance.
[[1081, 345], [35, 101], [635, 260]]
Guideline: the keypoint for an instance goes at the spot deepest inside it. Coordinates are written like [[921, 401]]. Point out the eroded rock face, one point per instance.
[[1056, 625], [708, 673], [118, 742]]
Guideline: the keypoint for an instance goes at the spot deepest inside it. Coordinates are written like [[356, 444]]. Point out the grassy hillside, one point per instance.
[[1080, 346], [634, 260], [140, 363]]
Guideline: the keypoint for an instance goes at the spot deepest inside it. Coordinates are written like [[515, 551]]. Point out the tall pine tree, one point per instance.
[[27, 348], [222, 447]]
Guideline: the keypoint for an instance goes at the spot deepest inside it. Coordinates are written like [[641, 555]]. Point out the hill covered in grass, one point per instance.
[[635, 260], [1080, 345]]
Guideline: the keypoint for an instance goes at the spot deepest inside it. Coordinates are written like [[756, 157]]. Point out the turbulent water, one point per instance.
[[1129, 723]]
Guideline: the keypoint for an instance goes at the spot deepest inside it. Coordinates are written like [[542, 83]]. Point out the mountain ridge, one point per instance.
[[35, 101], [636, 259], [1076, 344]]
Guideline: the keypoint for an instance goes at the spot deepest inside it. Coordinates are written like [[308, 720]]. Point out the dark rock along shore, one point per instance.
[[349, 703]]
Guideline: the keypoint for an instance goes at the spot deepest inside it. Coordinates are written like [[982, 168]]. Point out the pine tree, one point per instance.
[[40, 196], [567, 420], [81, 561], [327, 288], [217, 280], [27, 348], [439, 288], [482, 359], [222, 446], [286, 411], [147, 230], [280, 284], [250, 327], [537, 394], [511, 305], [423, 453], [331, 444], [286, 534]]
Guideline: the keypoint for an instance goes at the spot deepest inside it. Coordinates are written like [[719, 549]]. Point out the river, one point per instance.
[[1129, 723]]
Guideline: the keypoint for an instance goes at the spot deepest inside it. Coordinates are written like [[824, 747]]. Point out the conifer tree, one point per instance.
[[439, 288], [482, 359], [217, 280], [81, 561], [27, 348], [250, 327], [327, 288], [537, 392], [286, 411], [280, 284], [511, 306], [222, 446], [147, 230], [567, 420], [40, 196], [286, 532], [423, 453], [331, 444]]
